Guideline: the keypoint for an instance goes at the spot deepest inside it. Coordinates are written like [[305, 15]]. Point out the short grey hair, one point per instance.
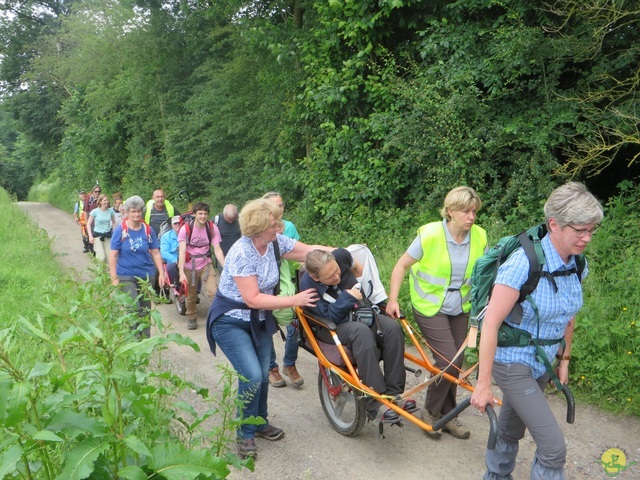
[[136, 202], [316, 260], [572, 203]]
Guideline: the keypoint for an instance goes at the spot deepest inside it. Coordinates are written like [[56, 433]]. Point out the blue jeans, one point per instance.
[[233, 336], [290, 349]]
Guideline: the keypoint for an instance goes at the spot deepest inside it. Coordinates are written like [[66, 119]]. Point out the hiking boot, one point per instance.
[[407, 404], [247, 447], [455, 428], [192, 324], [294, 376], [383, 415], [275, 379], [427, 417], [270, 433]]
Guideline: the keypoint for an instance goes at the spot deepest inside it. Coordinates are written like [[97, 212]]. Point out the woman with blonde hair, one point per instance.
[[240, 319], [441, 259]]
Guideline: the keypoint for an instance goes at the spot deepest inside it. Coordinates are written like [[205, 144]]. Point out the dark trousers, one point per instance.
[[369, 348], [445, 334]]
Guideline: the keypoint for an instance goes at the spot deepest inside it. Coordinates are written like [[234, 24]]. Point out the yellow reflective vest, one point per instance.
[[167, 205], [431, 276]]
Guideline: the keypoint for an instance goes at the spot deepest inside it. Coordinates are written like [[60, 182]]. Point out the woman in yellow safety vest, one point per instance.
[[441, 259]]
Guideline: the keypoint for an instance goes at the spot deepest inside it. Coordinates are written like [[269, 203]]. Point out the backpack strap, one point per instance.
[[147, 229], [276, 290], [535, 255]]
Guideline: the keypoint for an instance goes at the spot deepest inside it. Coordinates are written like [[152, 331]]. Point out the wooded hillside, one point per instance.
[[381, 105]]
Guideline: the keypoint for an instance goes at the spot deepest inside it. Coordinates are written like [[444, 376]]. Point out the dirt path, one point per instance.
[[312, 450]]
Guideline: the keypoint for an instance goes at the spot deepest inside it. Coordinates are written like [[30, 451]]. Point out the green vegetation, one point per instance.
[[606, 353], [80, 394]]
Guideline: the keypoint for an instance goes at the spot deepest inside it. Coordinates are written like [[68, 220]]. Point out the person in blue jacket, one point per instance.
[[169, 249]]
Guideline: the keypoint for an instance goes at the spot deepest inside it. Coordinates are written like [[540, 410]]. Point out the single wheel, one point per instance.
[[344, 408], [178, 301]]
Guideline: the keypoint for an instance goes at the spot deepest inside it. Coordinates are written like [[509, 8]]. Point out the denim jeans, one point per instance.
[[233, 336], [290, 349]]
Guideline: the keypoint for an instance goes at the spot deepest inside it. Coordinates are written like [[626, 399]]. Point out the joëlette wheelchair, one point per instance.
[[344, 396]]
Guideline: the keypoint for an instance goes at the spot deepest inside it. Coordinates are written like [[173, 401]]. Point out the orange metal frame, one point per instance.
[[350, 375]]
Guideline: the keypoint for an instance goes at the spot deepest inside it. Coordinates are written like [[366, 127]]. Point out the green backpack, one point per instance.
[[484, 275]]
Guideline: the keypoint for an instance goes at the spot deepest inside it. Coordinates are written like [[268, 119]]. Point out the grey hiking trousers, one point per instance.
[[525, 406]]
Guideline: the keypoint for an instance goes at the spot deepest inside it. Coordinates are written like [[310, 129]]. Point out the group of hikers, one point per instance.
[[254, 248]]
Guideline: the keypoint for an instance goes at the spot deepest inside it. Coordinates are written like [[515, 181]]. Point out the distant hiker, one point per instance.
[[101, 223], [169, 249], [227, 223], [158, 210], [81, 220], [91, 202], [117, 207], [135, 256], [197, 238]]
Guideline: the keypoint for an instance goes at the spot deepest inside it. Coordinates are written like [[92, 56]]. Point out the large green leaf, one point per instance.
[[79, 462], [175, 462], [135, 444], [73, 423], [9, 459], [133, 472], [17, 402]]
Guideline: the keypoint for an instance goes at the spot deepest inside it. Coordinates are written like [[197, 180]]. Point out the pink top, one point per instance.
[[199, 244]]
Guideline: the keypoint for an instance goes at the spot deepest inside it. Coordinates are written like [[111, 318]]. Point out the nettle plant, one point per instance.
[[82, 395]]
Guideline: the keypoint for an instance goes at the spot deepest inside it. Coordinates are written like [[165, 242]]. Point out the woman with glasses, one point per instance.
[[135, 257], [91, 202], [572, 216]]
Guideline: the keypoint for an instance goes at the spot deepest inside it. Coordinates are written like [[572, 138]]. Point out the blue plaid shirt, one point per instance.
[[556, 309]]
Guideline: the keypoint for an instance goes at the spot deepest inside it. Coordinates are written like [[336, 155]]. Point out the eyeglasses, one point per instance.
[[581, 232], [97, 191]]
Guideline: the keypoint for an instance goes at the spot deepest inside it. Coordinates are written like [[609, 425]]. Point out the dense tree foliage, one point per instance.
[[383, 105]]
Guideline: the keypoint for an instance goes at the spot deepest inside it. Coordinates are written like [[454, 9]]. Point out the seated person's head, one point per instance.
[[322, 267]]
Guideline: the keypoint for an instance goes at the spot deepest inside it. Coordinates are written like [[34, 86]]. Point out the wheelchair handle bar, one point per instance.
[[491, 414], [571, 404]]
